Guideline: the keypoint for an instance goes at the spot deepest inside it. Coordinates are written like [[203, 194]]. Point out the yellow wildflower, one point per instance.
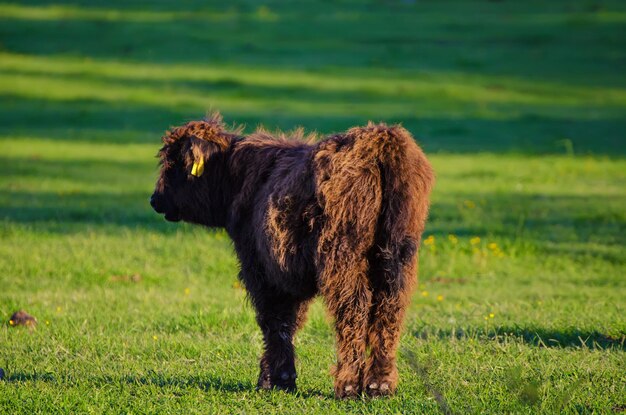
[[469, 204], [424, 293], [11, 322], [475, 240], [453, 239], [154, 337], [493, 246], [491, 315], [440, 298], [430, 240], [187, 291]]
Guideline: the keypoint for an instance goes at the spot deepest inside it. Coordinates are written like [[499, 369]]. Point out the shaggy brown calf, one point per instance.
[[342, 218]]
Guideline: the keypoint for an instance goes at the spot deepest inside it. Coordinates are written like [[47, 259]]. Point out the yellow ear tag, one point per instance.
[[198, 167]]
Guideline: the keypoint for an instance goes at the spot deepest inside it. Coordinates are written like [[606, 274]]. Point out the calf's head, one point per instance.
[[191, 172]]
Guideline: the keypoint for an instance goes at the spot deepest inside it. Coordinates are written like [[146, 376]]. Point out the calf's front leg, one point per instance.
[[279, 316]]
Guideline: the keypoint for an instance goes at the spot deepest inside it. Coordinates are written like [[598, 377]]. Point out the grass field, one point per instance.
[[521, 107]]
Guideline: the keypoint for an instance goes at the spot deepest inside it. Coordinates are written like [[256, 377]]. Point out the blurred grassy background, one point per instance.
[[520, 105], [466, 76]]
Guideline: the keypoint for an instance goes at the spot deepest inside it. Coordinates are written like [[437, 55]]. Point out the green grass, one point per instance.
[[521, 107]]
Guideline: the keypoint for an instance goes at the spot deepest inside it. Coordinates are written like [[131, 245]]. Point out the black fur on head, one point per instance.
[[176, 194]]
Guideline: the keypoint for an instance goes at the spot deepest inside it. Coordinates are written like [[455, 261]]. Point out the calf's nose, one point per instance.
[[153, 202]]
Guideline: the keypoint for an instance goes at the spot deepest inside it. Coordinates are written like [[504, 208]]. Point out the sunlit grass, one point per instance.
[[184, 328], [68, 12]]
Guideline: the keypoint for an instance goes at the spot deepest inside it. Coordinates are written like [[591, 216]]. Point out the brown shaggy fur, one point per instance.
[[341, 218]]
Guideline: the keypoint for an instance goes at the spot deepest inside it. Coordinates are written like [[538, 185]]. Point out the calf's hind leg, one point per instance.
[[391, 295], [348, 297]]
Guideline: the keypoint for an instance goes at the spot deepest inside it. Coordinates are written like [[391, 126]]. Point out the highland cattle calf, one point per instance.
[[341, 218]]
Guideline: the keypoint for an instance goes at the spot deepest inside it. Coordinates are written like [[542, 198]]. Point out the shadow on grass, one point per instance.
[[203, 382], [89, 120], [534, 336], [30, 377]]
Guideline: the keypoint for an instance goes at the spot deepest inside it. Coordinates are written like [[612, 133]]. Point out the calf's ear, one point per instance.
[[197, 152], [200, 151]]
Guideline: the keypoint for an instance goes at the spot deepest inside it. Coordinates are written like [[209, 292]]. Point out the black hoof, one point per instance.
[[283, 381]]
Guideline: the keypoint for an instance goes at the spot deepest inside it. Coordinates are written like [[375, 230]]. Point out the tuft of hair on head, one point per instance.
[[215, 118], [201, 139], [210, 128], [297, 135]]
